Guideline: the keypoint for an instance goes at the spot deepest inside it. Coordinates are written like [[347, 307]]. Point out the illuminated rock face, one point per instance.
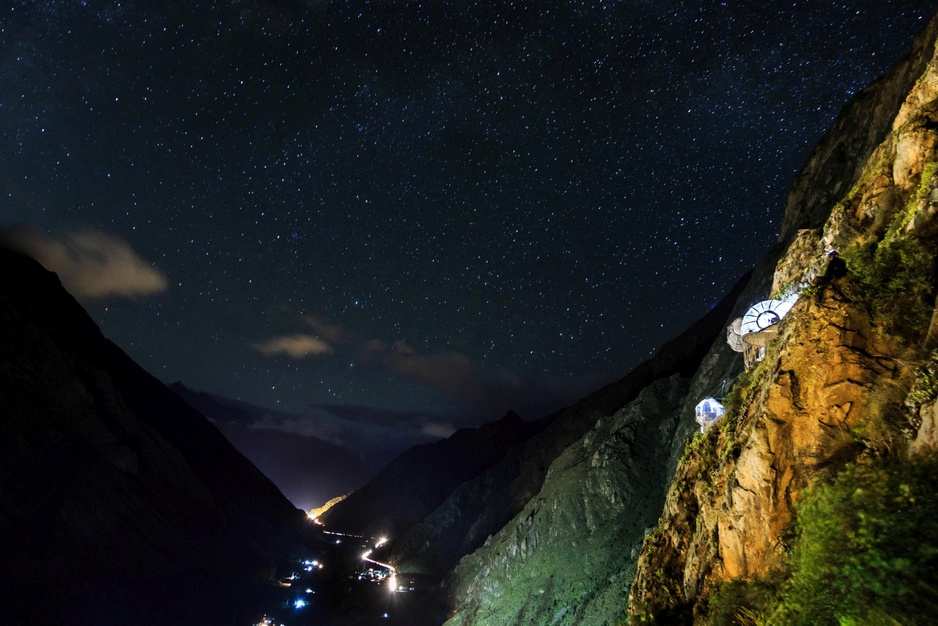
[[729, 509], [837, 161], [118, 498], [569, 555], [566, 554], [843, 366]]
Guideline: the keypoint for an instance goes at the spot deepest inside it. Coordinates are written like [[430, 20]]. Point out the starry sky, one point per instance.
[[449, 208]]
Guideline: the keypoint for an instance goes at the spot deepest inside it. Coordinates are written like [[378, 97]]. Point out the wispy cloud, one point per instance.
[[90, 263], [324, 328], [472, 388], [319, 424], [369, 350], [323, 339], [452, 373], [297, 346], [438, 430]]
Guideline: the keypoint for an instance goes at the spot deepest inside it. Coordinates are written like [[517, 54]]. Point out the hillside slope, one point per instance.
[[116, 497], [510, 461], [308, 470], [482, 506], [416, 482], [567, 555]]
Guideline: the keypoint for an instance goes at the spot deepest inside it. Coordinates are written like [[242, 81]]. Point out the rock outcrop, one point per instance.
[[849, 376], [117, 499], [837, 161]]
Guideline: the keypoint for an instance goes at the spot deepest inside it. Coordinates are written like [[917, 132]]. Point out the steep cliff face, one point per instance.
[[731, 503], [848, 381], [116, 498], [560, 560], [566, 555], [489, 476], [836, 163]]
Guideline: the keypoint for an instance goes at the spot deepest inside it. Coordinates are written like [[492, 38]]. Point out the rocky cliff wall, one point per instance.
[[846, 381], [837, 161]]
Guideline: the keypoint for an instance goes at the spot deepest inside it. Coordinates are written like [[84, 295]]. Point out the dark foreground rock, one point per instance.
[[117, 499]]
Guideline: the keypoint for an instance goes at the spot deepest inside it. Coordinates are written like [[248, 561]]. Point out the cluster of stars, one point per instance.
[[550, 188]]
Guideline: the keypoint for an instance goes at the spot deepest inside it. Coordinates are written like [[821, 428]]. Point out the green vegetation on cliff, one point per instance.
[[867, 548], [894, 279], [865, 552], [864, 545]]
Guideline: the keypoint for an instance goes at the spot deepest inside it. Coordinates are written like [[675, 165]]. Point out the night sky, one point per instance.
[[449, 208]]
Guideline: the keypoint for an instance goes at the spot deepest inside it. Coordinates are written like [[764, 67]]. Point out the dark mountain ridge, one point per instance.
[[437, 531], [421, 478], [117, 499], [308, 470]]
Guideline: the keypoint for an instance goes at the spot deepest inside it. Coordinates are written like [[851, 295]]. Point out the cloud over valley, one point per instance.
[[90, 263]]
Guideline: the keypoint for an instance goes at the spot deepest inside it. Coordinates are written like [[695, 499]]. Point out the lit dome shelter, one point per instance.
[[759, 326], [763, 314], [734, 335], [708, 412]]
